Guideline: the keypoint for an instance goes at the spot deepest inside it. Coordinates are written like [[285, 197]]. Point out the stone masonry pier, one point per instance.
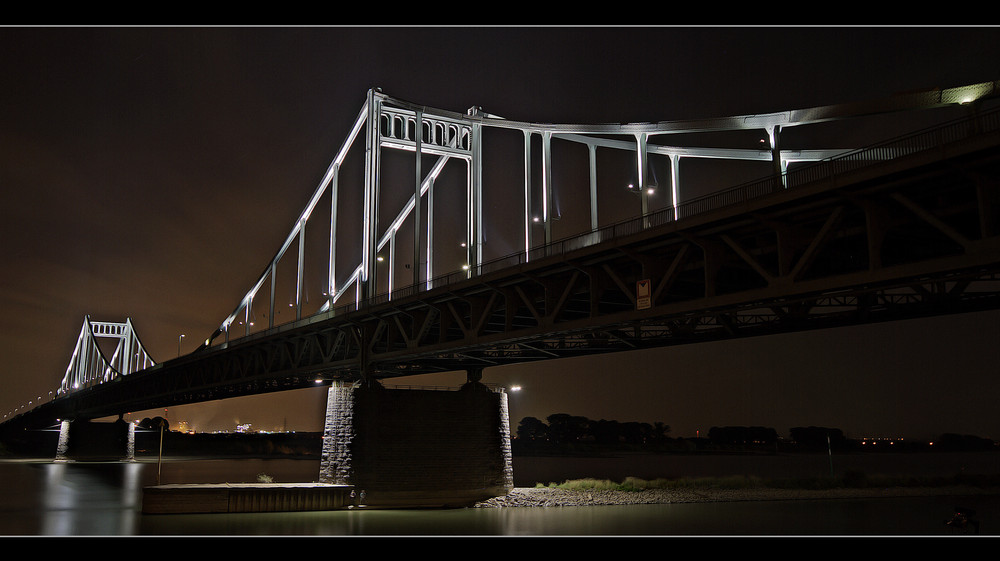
[[418, 447]]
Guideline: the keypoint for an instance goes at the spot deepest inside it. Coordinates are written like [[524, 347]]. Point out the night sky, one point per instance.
[[153, 172]]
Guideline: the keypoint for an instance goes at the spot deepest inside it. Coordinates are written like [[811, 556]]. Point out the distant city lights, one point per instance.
[[873, 441]]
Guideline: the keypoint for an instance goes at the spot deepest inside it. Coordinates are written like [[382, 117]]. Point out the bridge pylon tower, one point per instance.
[[89, 365]]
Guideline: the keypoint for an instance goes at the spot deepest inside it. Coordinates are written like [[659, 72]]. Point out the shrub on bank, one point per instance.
[[639, 484], [850, 480]]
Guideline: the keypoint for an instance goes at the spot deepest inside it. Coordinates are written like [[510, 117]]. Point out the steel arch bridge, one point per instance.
[[813, 238]]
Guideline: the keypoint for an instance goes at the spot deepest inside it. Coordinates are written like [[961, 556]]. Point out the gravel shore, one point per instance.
[[546, 496]]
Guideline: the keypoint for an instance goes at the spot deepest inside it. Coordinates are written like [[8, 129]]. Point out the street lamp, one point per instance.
[[179, 344]]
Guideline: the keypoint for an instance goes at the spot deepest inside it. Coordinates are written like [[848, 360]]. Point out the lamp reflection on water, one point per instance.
[[76, 498]]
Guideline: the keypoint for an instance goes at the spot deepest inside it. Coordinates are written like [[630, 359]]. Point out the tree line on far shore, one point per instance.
[[564, 432], [565, 429]]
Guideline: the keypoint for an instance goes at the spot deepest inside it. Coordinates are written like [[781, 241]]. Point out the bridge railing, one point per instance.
[[931, 138]]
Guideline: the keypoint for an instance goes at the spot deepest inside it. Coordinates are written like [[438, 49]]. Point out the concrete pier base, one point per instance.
[[245, 497], [418, 447], [86, 440]]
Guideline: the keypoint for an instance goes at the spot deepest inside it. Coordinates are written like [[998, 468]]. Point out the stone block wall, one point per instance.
[[412, 447]]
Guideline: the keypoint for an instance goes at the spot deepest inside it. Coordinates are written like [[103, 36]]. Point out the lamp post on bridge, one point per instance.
[[179, 344]]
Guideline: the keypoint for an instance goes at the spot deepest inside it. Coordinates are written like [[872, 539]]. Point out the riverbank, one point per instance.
[[554, 496], [529, 470]]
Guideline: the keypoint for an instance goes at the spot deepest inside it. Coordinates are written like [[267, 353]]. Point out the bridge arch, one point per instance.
[[385, 271]]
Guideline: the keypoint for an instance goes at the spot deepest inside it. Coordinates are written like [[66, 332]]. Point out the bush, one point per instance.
[[851, 479]]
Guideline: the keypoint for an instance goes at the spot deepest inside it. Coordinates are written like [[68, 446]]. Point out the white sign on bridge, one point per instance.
[[642, 299]]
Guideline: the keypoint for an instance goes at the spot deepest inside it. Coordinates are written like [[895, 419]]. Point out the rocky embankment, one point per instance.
[[551, 496]]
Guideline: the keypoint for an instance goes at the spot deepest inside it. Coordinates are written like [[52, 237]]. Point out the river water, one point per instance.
[[43, 498]]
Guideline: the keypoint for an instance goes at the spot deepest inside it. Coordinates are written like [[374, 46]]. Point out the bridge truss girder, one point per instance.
[[915, 236]]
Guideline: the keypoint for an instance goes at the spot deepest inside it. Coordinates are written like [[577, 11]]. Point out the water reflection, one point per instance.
[[902, 517], [86, 499], [95, 499]]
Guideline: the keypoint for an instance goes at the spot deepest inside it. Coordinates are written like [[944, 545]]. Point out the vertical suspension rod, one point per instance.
[[372, 163], [547, 185], [418, 134], [528, 218]]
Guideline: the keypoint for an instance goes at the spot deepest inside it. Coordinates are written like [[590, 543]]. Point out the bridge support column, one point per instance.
[[130, 446], [417, 447], [63, 444], [86, 440]]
